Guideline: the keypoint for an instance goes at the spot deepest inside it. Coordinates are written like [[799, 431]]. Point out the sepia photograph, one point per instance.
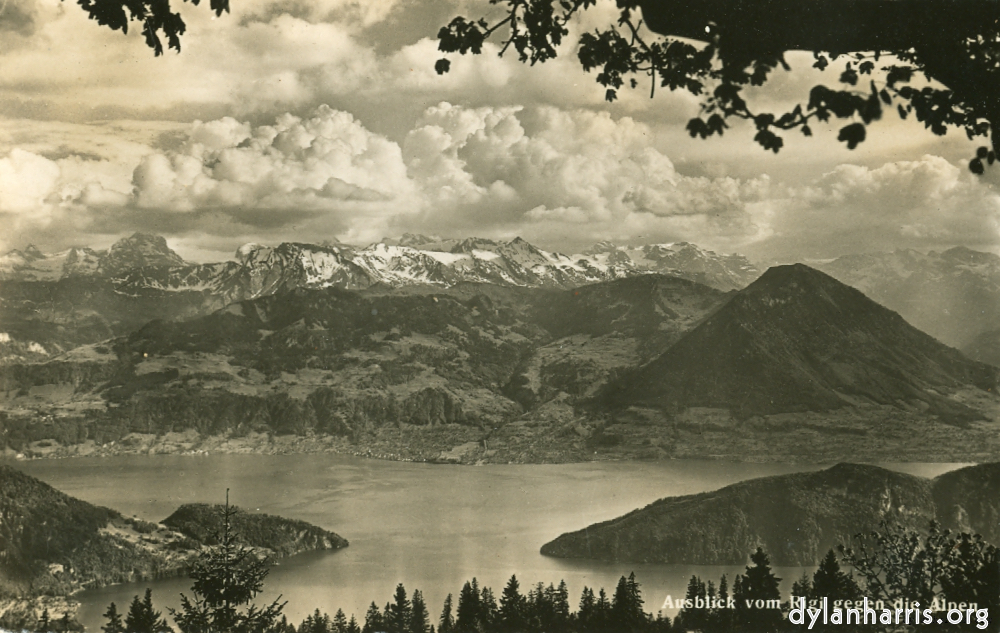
[[499, 316]]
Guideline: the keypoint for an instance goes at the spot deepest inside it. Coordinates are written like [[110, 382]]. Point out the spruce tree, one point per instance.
[[585, 617], [512, 606], [626, 606], [143, 618], [803, 587], [419, 618], [340, 622], [115, 624], [398, 612], [693, 617], [560, 607], [832, 583], [488, 609], [227, 578], [721, 619], [373, 620], [602, 612], [447, 621], [467, 612], [757, 596], [352, 625]]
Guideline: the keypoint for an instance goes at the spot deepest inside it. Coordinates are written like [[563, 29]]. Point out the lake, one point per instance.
[[431, 527]]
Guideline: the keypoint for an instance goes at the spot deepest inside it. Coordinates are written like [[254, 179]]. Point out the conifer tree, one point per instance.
[[832, 583], [467, 612], [693, 617], [721, 619], [803, 587], [227, 578], [758, 593], [419, 618], [626, 606], [488, 609], [115, 624], [512, 607], [352, 625], [447, 622], [585, 617], [143, 618], [398, 612], [373, 620], [602, 612], [340, 622], [560, 607]]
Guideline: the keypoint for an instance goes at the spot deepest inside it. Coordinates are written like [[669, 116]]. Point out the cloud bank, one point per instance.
[[563, 178]]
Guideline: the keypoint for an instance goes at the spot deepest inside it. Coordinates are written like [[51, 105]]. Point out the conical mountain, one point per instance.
[[798, 340]]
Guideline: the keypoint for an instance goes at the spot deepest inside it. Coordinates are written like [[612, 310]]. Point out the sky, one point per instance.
[[316, 120]]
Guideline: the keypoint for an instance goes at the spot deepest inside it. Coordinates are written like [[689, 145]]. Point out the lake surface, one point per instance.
[[431, 527]]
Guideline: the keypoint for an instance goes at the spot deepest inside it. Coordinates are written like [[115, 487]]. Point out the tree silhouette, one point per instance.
[[832, 583], [398, 612], [512, 605], [373, 619], [419, 617], [626, 605], [756, 593], [227, 577], [114, 618], [888, 44], [156, 17], [143, 618], [447, 622]]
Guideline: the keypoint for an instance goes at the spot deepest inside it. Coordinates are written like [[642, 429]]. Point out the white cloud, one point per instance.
[[324, 166], [570, 176], [925, 203]]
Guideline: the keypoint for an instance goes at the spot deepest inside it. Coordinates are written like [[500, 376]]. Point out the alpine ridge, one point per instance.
[[145, 262]]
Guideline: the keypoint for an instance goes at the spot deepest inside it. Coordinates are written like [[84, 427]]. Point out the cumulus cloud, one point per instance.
[[923, 204], [563, 178], [327, 167], [568, 175]]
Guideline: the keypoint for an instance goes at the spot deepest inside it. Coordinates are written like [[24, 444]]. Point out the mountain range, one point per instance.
[[952, 295], [795, 518], [143, 262], [472, 350]]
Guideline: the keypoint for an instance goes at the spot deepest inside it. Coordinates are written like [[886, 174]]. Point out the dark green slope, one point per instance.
[[51, 543], [968, 500], [798, 340], [39, 525], [203, 523], [795, 518]]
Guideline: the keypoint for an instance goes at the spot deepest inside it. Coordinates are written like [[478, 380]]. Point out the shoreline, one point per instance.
[[467, 453]]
